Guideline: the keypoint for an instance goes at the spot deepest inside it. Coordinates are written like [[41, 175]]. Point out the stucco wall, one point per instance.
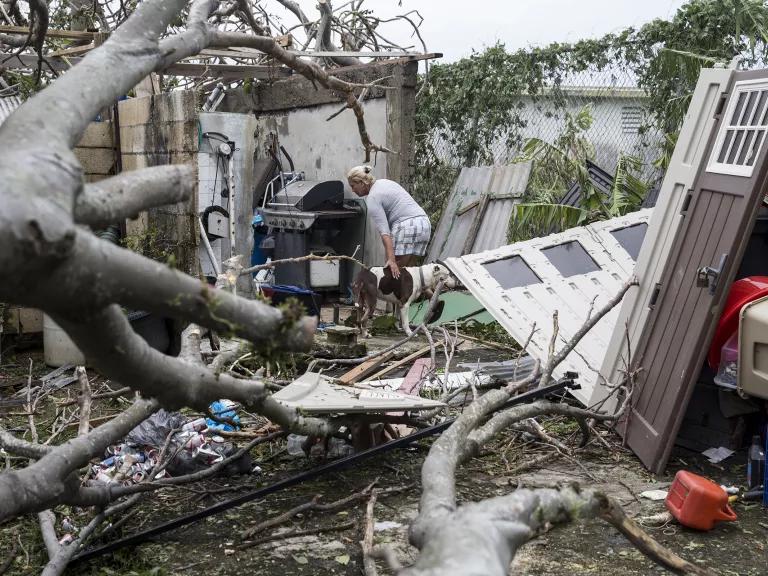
[[326, 150]]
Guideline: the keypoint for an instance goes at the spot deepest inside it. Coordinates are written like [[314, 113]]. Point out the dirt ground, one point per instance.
[[213, 546]]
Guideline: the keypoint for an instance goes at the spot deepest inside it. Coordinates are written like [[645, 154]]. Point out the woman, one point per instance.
[[404, 226]]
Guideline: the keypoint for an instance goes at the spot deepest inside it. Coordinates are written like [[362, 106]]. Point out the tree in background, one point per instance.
[[472, 105]]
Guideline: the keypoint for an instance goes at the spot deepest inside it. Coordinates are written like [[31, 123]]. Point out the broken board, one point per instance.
[[364, 369], [314, 393]]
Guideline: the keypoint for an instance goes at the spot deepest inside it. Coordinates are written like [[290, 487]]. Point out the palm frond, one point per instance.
[[628, 190], [532, 220]]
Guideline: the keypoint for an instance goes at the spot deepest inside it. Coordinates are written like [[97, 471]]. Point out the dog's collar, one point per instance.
[[421, 277]]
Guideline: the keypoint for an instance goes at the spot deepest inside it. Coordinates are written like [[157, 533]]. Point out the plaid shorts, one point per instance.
[[412, 236]]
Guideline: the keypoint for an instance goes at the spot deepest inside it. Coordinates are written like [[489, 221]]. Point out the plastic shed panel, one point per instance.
[[667, 219], [664, 225], [718, 215], [520, 307], [476, 216]]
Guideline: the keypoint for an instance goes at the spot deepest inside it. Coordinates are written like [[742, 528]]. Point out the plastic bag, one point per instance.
[[155, 429]]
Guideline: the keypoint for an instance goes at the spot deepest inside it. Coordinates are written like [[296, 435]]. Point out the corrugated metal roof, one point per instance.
[[7, 105], [503, 185], [523, 284]]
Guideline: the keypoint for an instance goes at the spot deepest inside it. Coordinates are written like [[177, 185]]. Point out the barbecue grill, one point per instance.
[[307, 217]]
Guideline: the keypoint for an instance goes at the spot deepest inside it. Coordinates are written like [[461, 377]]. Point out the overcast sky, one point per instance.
[[455, 28]]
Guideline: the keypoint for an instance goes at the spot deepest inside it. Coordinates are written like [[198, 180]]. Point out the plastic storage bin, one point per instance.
[[727, 371], [697, 502]]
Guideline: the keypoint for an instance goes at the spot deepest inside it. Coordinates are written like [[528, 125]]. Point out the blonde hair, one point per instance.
[[363, 174]]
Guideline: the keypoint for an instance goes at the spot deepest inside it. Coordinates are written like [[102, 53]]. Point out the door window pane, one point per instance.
[[512, 272], [570, 259]]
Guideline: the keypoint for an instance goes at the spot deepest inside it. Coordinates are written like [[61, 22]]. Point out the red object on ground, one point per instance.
[[412, 382], [697, 502], [742, 291]]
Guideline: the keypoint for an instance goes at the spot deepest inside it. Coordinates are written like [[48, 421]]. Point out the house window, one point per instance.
[[631, 238], [742, 130], [570, 259], [512, 272], [631, 119]]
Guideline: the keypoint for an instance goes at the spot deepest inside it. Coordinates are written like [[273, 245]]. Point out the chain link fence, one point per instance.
[[620, 125]]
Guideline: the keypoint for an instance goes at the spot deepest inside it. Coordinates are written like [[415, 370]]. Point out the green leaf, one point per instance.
[[343, 559]]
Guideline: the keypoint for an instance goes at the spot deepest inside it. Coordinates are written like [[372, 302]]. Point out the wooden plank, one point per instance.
[[229, 71], [74, 51], [361, 371], [29, 61], [404, 60], [51, 33], [251, 53], [410, 358], [464, 209]]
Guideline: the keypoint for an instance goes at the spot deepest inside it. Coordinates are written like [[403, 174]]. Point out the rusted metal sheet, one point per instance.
[[574, 273], [7, 105], [461, 229]]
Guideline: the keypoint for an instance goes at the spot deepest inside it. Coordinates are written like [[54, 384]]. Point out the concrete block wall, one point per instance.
[[159, 130], [96, 151]]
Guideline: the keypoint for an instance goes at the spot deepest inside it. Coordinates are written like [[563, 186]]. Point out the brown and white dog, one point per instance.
[[379, 284]]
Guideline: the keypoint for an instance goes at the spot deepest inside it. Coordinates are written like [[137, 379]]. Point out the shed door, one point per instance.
[[718, 220]]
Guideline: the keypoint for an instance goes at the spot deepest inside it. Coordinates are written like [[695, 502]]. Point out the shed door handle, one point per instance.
[[706, 276]]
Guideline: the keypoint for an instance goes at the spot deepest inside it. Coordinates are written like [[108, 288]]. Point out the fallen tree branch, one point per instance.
[[298, 259], [84, 401], [49, 481], [125, 195], [369, 564], [298, 533], [315, 505]]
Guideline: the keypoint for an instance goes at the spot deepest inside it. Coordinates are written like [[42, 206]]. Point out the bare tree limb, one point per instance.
[[369, 563], [127, 194], [48, 481], [84, 400]]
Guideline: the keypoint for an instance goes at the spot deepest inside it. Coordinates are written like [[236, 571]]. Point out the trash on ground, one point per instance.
[[453, 381], [654, 495], [386, 525], [717, 455], [317, 394], [224, 410], [194, 447], [336, 447]]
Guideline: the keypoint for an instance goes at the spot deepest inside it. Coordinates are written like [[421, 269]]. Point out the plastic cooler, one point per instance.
[[742, 292], [697, 502]]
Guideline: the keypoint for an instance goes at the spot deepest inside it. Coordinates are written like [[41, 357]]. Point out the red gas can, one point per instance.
[[697, 502]]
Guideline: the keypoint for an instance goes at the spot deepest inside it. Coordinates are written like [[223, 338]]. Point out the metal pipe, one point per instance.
[[208, 247]]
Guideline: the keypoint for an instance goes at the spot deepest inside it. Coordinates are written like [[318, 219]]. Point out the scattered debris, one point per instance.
[[717, 455], [655, 495], [317, 394]]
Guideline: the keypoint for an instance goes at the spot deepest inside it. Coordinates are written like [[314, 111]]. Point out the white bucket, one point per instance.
[[58, 348]]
